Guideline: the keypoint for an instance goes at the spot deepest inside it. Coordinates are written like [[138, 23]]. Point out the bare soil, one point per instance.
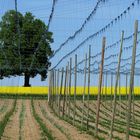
[[31, 130], [70, 131], [12, 129], [61, 129], [5, 107]]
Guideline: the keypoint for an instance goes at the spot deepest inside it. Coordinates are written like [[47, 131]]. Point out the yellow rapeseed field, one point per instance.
[[79, 90]]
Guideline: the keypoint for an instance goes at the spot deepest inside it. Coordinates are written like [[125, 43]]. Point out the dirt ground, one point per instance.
[[35, 120], [30, 129]]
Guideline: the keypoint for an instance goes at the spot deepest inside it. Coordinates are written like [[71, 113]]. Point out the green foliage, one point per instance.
[[26, 33]]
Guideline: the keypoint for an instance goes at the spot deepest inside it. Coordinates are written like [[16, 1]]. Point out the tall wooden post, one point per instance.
[[58, 91], [120, 97], [116, 86], [69, 104], [67, 88], [53, 88], [131, 80], [49, 85], [103, 85], [106, 85], [88, 86], [55, 91], [75, 88], [104, 90], [126, 84], [100, 85], [111, 87], [61, 89], [133, 103], [84, 90], [64, 95]]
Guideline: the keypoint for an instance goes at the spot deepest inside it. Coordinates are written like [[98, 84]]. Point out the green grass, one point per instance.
[[3, 108], [23, 96], [78, 97]]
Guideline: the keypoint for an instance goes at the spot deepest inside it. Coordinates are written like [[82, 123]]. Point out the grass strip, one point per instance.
[[21, 119]]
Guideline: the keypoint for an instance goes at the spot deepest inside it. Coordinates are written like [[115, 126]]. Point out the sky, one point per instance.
[[69, 15]]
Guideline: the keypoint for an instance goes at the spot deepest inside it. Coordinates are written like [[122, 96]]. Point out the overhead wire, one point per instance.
[[80, 29], [110, 24], [43, 36]]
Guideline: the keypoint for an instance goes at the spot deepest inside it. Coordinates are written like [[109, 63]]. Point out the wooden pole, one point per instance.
[[102, 90], [53, 89], [58, 91], [100, 85], [61, 88], [133, 103], [84, 90], [131, 80], [75, 88], [120, 95], [69, 104], [126, 86], [116, 86], [64, 96], [49, 85], [106, 84], [67, 89], [88, 87], [51, 103], [111, 88]]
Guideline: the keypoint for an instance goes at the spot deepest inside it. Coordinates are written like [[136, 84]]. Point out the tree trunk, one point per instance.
[[26, 80]]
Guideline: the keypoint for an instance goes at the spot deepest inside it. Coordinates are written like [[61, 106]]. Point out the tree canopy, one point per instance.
[[24, 46]]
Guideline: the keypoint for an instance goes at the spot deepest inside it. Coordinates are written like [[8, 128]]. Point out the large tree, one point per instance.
[[24, 46]]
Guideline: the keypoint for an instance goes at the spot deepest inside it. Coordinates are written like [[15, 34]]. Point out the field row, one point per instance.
[[37, 120], [83, 116], [34, 120]]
